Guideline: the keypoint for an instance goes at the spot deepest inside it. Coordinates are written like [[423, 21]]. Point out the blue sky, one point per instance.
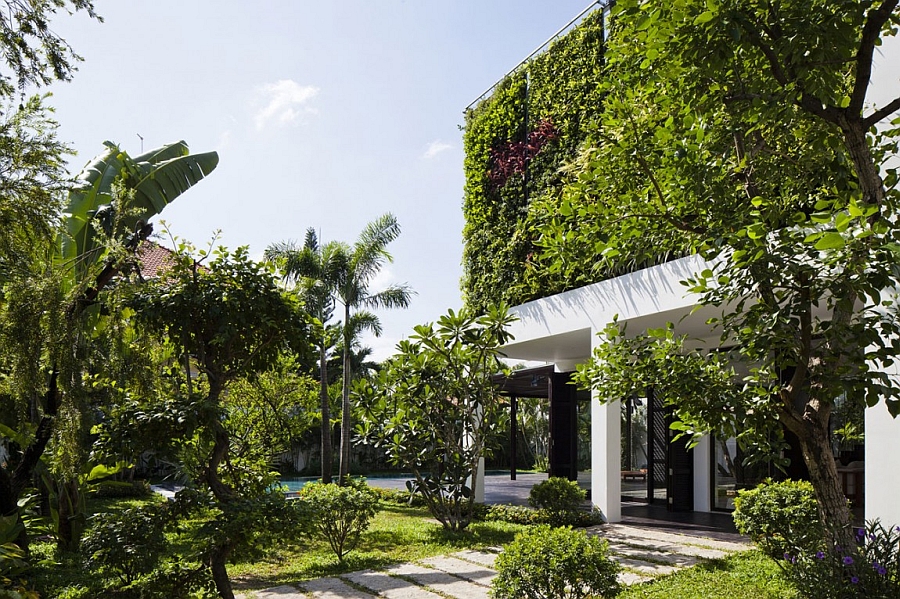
[[324, 113]]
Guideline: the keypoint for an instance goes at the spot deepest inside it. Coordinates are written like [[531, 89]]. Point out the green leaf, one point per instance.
[[704, 17], [830, 241]]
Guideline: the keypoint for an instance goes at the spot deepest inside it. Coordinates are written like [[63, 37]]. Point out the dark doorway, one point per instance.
[[563, 427], [562, 400], [655, 469]]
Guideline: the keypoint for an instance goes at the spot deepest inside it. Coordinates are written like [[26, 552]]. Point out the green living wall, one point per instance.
[[558, 93], [516, 173]]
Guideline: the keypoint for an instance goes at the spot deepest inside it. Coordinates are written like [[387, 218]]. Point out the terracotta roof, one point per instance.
[[154, 259]]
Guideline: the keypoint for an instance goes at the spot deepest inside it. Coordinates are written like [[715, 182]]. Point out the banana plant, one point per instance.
[[113, 198], [149, 182]]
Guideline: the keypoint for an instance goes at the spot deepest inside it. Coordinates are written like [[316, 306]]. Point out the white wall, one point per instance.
[[882, 477], [702, 475]]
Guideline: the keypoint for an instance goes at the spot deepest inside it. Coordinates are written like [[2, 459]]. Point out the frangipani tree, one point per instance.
[[435, 409]]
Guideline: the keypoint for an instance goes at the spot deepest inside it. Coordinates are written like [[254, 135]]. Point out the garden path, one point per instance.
[[643, 552]]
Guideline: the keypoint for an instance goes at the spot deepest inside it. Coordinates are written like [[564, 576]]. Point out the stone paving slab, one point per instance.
[[649, 555], [282, 592], [644, 567], [626, 577], [388, 586], [479, 557], [333, 588], [441, 582], [631, 532], [463, 569]]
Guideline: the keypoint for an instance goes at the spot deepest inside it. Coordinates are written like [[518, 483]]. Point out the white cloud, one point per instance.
[[384, 278], [283, 102], [435, 148], [224, 141]]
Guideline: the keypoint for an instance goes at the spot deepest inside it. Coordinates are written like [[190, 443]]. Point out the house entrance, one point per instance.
[[655, 468]]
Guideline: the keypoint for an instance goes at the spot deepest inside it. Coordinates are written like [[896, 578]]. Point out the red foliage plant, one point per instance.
[[512, 157]]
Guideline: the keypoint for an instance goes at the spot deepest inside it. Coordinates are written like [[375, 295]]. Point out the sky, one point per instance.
[[324, 113]]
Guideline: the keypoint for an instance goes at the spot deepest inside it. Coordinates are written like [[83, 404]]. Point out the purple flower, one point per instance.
[[854, 580], [847, 560], [860, 533], [787, 557], [820, 555], [880, 569]]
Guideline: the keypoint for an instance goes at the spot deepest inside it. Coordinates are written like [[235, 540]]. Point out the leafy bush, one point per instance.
[[555, 563], [340, 514], [868, 570], [559, 497], [398, 497], [120, 489], [177, 580], [779, 517], [128, 543], [517, 514]]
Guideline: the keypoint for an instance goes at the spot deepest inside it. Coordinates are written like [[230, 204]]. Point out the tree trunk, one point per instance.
[[217, 560], [327, 460], [70, 527], [345, 403], [834, 511]]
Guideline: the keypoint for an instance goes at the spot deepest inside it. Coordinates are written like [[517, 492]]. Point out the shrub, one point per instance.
[[517, 514], [340, 514], [555, 563], [559, 497], [177, 580], [127, 543], [398, 497], [120, 489], [870, 569], [779, 517]]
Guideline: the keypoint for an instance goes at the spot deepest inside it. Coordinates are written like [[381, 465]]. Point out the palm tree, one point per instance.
[[367, 258], [333, 273], [316, 270]]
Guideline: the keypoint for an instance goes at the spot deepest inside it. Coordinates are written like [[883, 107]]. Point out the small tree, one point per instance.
[[231, 321], [435, 409]]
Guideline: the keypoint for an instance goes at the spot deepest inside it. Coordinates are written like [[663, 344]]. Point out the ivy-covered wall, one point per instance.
[[561, 102]]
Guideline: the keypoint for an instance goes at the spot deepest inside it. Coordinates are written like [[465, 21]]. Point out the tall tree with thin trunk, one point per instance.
[[368, 256], [316, 269]]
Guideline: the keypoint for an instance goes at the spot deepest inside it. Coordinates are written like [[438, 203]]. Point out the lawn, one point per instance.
[[749, 574], [399, 534]]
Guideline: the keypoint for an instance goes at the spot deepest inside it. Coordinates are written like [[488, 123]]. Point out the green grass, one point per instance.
[[397, 534], [749, 575], [400, 534]]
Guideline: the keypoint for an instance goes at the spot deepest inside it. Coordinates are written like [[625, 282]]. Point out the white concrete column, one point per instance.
[[703, 475], [606, 458], [882, 484], [479, 478]]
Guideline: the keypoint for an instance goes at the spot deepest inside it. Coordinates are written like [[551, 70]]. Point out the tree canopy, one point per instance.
[[745, 130]]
